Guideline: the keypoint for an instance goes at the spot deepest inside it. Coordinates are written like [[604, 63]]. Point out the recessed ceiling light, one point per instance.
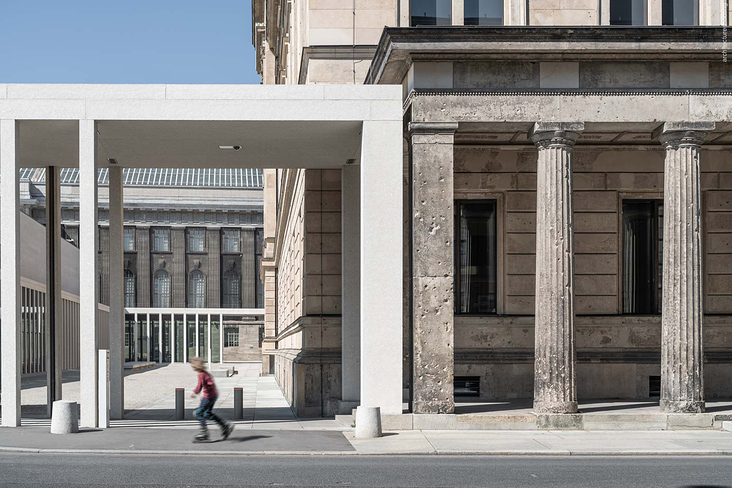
[[112, 161], [230, 148]]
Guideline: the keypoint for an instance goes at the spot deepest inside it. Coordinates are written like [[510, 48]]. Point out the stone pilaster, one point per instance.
[[555, 385], [682, 379], [433, 267]]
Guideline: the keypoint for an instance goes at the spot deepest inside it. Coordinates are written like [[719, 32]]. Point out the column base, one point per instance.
[[555, 407], [683, 406]]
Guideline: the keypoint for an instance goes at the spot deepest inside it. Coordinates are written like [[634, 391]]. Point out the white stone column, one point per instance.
[[351, 279], [381, 266], [514, 12], [682, 377], [433, 267], [88, 272], [10, 271], [555, 386], [53, 287], [116, 295], [458, 12]]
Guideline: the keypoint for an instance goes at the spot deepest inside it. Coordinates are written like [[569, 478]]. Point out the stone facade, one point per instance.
[[558, 127]]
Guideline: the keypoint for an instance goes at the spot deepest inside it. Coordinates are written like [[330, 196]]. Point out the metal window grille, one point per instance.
[[231, 339], [196, 239], [196, 290], [129, 239], [161, 289], [161, 240], [231, 240], [129, 289], [231, 286]]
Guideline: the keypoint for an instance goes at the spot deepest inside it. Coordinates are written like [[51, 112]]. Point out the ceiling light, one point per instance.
[[230, 148], [112, 161]]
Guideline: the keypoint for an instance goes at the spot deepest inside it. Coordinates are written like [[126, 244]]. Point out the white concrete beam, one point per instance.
[[351, 279], [381, 266], [116, 295], [88, 274], [10, 272]]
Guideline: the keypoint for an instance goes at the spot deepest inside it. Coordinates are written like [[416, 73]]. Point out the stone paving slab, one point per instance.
[[126, 440]]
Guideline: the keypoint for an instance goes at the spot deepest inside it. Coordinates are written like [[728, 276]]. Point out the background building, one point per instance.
[[192, 239], [636, 116]]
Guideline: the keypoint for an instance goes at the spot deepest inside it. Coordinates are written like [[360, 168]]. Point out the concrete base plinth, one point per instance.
[[555, 407], [65, 417], [682, 406], [368, 422]]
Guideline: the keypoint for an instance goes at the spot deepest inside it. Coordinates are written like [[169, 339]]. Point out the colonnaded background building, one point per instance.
[[567, 198], [192, 240]]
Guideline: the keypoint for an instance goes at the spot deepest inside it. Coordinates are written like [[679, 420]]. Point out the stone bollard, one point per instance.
[[368, 422], [180, 404], [238, 403], [65, 417]]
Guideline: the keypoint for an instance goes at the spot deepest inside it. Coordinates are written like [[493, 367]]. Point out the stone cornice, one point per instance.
[[399, 46], [332, 52]]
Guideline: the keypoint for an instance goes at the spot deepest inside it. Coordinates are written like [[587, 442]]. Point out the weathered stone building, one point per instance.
[[563, 166]]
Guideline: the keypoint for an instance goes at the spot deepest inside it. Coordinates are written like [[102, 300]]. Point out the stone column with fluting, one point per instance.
[[555, 386], [682, 379], [433, 266]]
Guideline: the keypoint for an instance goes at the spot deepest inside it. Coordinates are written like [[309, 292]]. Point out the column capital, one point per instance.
[[675, 134], [545, 134]]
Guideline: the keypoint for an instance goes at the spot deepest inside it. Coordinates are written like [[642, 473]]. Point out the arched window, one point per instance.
[[161, 289], [231, 290], [196, 290], [129, 288]]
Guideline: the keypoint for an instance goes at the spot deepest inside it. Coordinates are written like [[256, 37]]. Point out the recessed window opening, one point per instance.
[[476, 261], [483, 12], [642, 256], [628, 12], [467, 386], [680, 12], [431, 12]]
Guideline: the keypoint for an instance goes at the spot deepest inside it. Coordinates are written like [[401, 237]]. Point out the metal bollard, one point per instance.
[[238, 403], [180, 403]]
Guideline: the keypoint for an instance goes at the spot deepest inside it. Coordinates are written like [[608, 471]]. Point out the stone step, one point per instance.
[[137, 366]]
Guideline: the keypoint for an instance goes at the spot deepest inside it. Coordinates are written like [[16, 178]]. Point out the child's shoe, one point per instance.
[[202, 436], [226, 430]]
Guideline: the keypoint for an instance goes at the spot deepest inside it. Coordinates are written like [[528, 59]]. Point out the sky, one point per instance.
[[126, 41]]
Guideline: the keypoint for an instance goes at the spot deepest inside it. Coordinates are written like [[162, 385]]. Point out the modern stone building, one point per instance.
[[567, 202], [192, 240]]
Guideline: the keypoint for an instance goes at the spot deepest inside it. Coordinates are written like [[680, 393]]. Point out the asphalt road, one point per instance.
[[402, 471]]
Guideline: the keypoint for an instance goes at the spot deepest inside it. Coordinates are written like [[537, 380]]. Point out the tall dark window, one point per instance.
[[642, 256], [680, 12], [161, 240], [231, 289], [483, 12], [129, 288], [161, 289], [628, 12], [129, 239], [431, 12], [196, 240], [230, 240], [196, 289], [476, 274]]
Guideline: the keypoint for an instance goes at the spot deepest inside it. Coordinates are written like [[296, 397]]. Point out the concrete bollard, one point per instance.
[[65, 417], [368, 422], [238, 403], [180, 403]]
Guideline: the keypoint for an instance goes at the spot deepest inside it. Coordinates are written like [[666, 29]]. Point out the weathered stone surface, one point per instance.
[[433, 267], [555, 386], [682, 379]]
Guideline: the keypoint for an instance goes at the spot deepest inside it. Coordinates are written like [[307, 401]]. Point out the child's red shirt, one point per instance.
[[206, 383]]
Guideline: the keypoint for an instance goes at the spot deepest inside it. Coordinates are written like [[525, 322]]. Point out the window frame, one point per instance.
[[224, 232], [125, 230], [192, 231], [154, 231], [157, 293], [230, 332], [657, 199], [193, 295], [458, 202], [129, 274], [224, 294], [696, 13], [465, 16], [412, 4]]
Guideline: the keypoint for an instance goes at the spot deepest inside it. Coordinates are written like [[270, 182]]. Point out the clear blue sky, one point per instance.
[[126, 41]]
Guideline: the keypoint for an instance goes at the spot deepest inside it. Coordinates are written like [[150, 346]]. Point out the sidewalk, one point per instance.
[[317, 442]]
